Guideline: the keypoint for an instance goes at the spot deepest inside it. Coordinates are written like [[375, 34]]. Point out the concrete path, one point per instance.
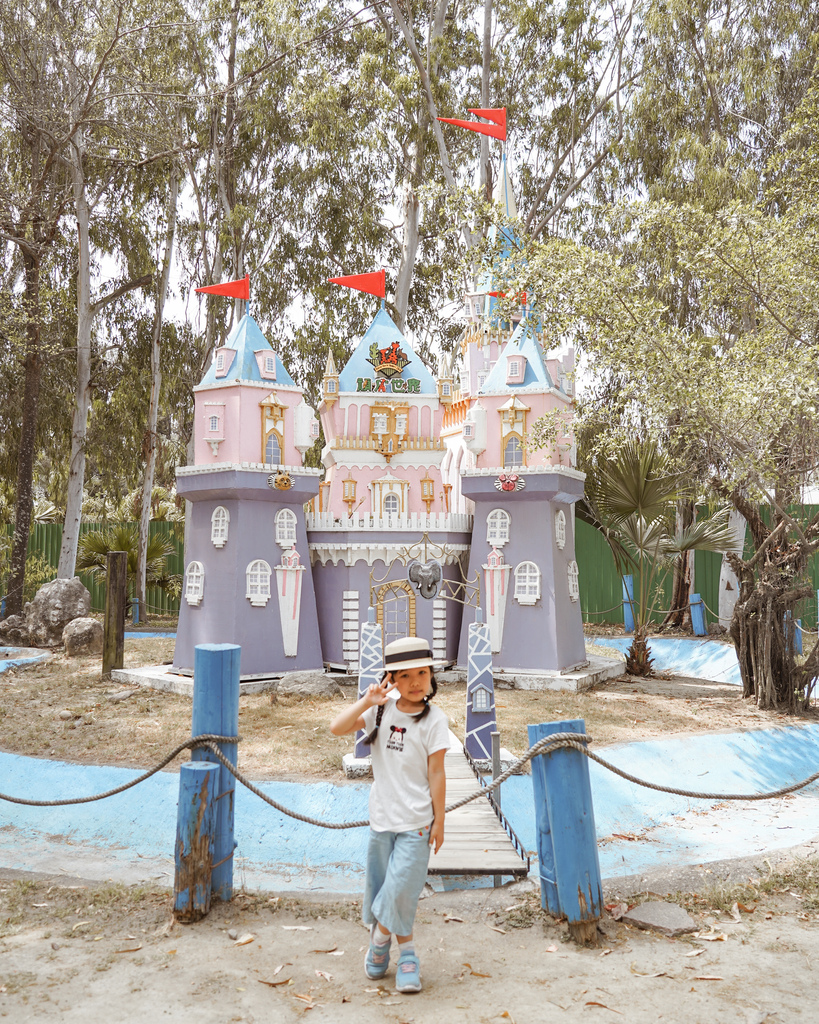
[[131, 836]]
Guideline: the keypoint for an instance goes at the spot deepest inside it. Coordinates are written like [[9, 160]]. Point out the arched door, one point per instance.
[[396, 610]]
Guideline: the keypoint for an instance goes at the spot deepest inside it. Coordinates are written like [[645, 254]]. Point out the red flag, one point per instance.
[[234, 289], [502, 295], [497, 129], [374, 283]]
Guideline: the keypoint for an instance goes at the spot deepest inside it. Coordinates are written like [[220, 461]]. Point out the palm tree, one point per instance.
[[632, 501], [94, 546]]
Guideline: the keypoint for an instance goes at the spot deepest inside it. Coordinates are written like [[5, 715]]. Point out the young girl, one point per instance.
[[408, 738]]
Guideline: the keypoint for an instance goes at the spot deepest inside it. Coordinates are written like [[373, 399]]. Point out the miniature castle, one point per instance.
[[428, 495]]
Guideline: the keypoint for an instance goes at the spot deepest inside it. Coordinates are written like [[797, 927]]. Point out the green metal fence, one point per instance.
[[46, 539], [601, 592]]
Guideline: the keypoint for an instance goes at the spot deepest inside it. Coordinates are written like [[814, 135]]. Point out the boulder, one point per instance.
[[83, 636], [305, 685], [54, 606], [13, 632]]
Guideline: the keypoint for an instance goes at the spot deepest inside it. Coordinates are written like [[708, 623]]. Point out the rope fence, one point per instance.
[[557, 741]]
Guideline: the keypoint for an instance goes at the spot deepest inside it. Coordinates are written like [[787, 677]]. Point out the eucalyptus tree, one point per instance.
[[34, 194]]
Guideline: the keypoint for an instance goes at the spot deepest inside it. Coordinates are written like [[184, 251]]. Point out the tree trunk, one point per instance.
[[24, 498], [153, 405], [680, 612], [486, 168], [762, 626], [82, 392]]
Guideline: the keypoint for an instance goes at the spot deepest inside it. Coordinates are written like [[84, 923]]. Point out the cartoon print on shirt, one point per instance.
[[396, 737]]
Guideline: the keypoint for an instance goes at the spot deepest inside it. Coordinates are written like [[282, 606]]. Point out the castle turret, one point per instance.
[[247, 577]]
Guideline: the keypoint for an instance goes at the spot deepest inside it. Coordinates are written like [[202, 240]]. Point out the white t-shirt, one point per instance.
[[400, 799]]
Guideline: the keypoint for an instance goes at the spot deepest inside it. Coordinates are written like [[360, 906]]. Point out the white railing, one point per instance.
[[417, 522]]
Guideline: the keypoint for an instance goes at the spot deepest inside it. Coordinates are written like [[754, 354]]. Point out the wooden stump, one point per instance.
[[113, 645]]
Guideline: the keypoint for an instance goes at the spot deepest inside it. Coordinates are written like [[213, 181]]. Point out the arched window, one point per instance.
[[392, 505], [497, 527], [560, 529], [513, 453], [527, 583], [331, 387], [286, 528], [573, 577], [219, 526], [213, 423], [194, 583], [273, 449], [258, 583]]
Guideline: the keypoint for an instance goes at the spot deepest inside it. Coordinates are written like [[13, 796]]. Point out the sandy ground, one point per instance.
[[74, 951], [109, 954]]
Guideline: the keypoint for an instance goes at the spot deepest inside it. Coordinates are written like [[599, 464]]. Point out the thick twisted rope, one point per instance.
[[557, 741], [205, 740]]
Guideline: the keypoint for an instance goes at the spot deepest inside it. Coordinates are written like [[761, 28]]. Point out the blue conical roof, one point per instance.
[[382, 337], [523, 342], [247, 339]]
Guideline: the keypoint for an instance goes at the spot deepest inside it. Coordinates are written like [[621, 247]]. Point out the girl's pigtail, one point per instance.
[[378, 716], [429, 697]]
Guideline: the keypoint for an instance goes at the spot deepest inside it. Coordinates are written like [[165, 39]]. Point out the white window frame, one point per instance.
[[446, 389], [220, 360], [270, 364], [527, 583], [482, 379], [331, 387], [560, 529], [286, 523], [480, 700], [213, 423], [573, 579], [390, 498], [518, 452], [194, 583], [498, 525], [380, 423], [257, 578], [219, 524], [273, 436]]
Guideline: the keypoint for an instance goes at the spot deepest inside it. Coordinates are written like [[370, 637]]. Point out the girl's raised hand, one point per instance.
[[377, 692]]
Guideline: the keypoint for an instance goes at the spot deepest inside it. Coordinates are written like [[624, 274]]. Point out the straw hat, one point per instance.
[[408, 652]]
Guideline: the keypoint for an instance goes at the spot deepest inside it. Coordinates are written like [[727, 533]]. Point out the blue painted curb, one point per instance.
[[27, 656], [276, 851], [699, 659]]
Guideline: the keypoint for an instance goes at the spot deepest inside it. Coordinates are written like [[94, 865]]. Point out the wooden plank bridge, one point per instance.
[[477, 840]]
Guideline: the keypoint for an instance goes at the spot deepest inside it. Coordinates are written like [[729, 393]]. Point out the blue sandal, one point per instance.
[[408, 973], [377, 960]]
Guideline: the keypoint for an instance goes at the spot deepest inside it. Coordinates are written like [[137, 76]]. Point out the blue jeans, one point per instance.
[[396, 872]]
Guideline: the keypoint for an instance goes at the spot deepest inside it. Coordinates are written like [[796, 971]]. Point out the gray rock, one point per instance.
[[666, 918], [83, 636], [54, 606], [307, 684], [66, 715], [13, 632]]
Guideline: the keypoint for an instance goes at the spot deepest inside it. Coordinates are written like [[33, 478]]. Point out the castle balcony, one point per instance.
[[407, 444], [417, 522]]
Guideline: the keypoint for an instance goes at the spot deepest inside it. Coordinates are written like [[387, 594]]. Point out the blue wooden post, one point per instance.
[[545, 852], [567, 815], [135, 612], [628, 603], [370, 668], [195, 834], [480, 691], [216, 711], [698, 615], [794, 625]]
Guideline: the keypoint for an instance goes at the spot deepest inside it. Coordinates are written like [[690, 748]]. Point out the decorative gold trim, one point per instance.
[[396, 585]]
